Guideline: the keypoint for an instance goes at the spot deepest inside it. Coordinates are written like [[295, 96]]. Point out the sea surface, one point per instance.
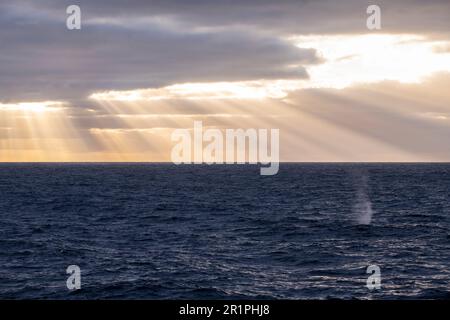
[[161, 231]]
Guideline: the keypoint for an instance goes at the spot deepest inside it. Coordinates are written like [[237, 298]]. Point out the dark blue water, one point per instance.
[[163, 231]]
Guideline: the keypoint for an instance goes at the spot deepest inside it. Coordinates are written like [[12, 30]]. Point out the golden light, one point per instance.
[[369, 58], [136, 125], [240, 90], [32, 106], [37, 131]]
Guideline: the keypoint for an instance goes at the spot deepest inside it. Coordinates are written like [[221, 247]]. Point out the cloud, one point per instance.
[[186, 52], [150, 44], [398, 122], [285, 17], [240, 90], [387, 121], [43, 60]]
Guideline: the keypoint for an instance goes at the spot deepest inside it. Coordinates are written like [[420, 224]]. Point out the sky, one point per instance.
[[137, 70]]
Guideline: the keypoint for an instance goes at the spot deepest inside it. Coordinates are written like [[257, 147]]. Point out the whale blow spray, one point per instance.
[[362, 208]]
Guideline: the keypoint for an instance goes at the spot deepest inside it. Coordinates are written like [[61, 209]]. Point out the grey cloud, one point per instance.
[[125, 44], [43, 60], [282, 17], [378, 122]]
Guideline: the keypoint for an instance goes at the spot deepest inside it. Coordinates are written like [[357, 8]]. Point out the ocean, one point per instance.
[[161, 231]]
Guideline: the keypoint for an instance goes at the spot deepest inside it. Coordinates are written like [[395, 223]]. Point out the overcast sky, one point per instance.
[[117, 88]]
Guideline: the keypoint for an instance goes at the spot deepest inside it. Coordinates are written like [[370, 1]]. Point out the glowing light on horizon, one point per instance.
[[37, 131]]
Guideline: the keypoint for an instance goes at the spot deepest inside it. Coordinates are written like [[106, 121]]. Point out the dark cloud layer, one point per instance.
[[139, 44], [41, 59]]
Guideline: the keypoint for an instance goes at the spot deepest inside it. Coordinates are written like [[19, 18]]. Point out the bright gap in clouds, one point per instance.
[[203, 91], [373, 58], [32, 106]]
